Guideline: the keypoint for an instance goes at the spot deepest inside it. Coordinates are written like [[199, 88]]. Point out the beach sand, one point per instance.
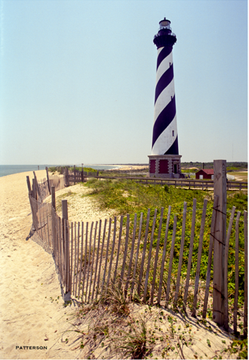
[[31, 307], [29, 285]]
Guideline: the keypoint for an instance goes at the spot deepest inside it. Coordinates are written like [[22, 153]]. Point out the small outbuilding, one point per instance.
[[205, 174]]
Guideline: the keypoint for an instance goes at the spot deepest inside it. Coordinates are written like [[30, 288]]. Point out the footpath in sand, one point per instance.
[[33, 320]]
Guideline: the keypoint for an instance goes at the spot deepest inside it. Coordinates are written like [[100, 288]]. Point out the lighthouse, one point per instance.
[[165, 160]]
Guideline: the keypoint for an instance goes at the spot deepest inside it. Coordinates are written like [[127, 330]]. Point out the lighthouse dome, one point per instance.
[[164, 24]]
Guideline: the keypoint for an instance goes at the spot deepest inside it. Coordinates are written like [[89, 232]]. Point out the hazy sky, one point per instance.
[[78, 79]]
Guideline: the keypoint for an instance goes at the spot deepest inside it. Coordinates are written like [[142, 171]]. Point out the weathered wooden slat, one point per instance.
[[68, 258], [72, 263], [45, 225], [77, 252], [137, 253], [131, 256], [60, 247], [92, 260], [44, 238], [75, 256], [63, 258], [191, 245], [236, 294], [85, 262], [149, 256], [198, 267], [36, 184], [125, 250], [246, 275], [163, 257], [119, 244], [171, 259], [41, 222], [69, 278], [89, 260], [48, 219], [57, 241], [66, 254], [81, 257], [144, 250], [62, 255], [112, 253], [107, 253], [49, 240], [101, 257], [219, 241], [39, 229], [225, 269], [181, 252], [210, 252], [156, 257], [97, 260], [55, 235], [64, 239]]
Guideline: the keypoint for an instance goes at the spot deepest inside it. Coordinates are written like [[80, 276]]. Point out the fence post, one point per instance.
[[219, 242], [33, 191], [31, 207], [53, 211], [36, 184], [74, 175], [66, 245], [34, 204], [49, 190], [66, 177], [53, 197]]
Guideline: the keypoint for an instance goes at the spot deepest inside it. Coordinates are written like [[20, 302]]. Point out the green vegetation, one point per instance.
[[130, 197], [61, 169], [136, 343], [187, 171], [143, 333], [134, 337], [231, 165]]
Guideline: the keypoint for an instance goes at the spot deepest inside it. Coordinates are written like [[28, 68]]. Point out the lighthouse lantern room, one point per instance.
[[165, 160]]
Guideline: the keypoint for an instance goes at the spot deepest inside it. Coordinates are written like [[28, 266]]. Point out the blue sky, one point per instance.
[[78, 78]]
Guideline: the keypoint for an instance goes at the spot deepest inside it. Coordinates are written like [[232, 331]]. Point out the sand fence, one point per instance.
[[143, 256]]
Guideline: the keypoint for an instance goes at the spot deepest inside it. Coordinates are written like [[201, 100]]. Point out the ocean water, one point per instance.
[[14, 169]]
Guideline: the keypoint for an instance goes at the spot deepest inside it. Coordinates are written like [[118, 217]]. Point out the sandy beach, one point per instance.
[[33, 320], [29, 285]]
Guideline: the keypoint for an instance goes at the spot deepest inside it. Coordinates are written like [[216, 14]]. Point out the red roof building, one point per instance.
[[205, 174]]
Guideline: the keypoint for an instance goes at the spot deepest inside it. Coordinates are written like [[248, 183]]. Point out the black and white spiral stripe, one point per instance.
[[165, 139]]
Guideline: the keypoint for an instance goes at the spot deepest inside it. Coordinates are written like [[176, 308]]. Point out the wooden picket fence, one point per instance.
[[143, 257]]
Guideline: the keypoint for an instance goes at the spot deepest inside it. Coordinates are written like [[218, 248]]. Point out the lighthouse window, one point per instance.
[[173, 134]]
